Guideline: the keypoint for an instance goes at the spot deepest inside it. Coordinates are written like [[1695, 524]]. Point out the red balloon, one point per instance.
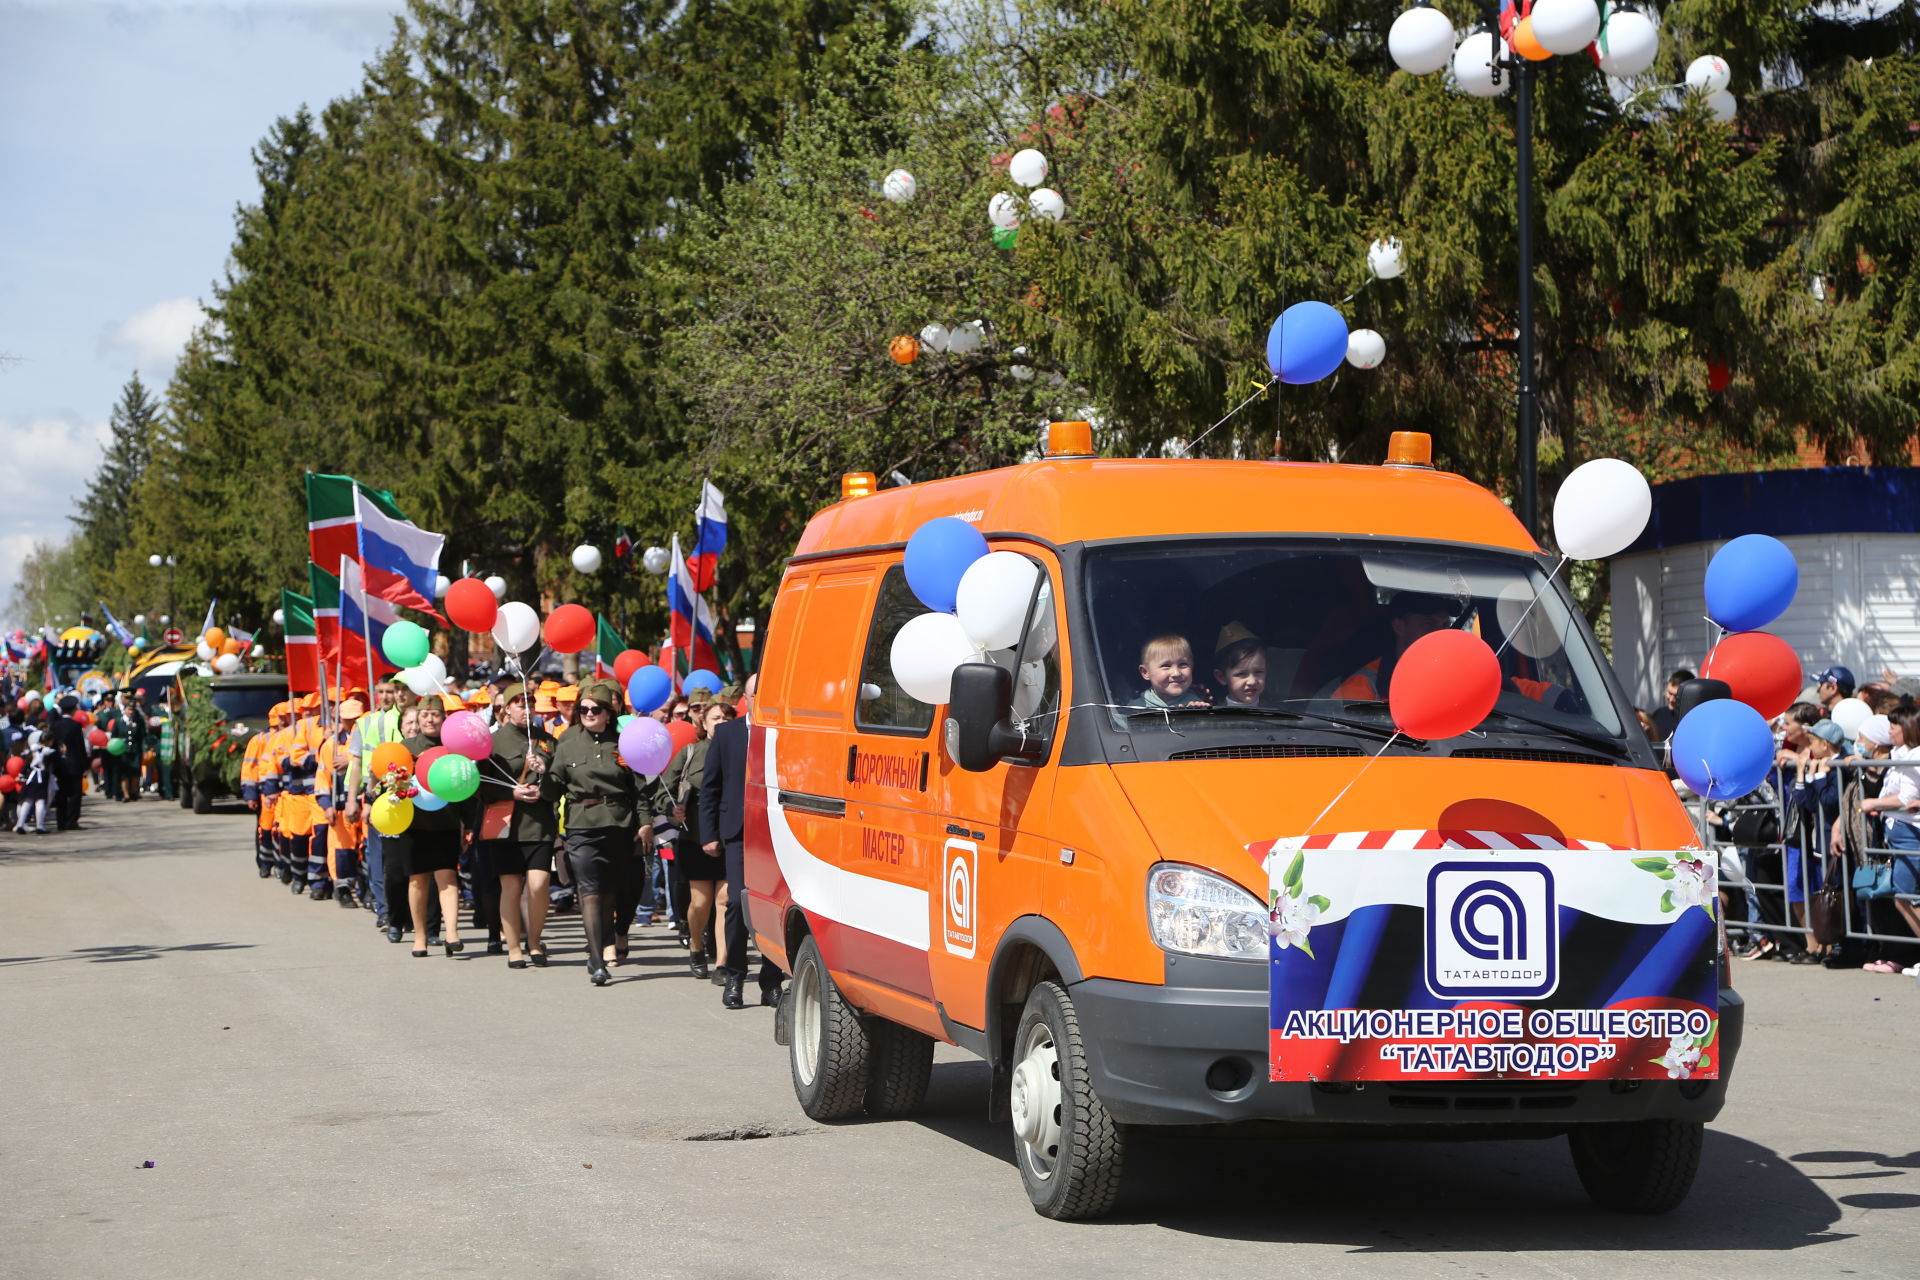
[[1443, 685], [683, 734], [25, 703], [570, 629], [629, 661], [83, 717], [1762, 670], [425, 762], [15, 767], [98, 737], [8, 782], [471, 606]]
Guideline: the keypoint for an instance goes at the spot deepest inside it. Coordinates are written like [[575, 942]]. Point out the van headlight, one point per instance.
[[1198, 913]]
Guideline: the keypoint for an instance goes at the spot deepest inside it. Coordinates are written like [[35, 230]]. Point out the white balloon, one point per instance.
[[1029, 687], [422, 683], [227, 663], [139, 619], [517, 628], [655, 561], [259, 651], [1047, 203], [1723, 105], [1628, 43], [1850, 714], [279, 618], [1473, 64], [934, 338], [1709, 73], [1565, 26], [1042, 635], [1524, 622], [154, 561], [1365, 349], [434, 665], [1028, 168], [1003, 210], [441, 584], [925, 653], [991, 602], [497, 585], [1420, 40], [1383, 258], [965, 339], [1601, 508], [586, 558], [1020, 372], [899, 186], [204, 651]]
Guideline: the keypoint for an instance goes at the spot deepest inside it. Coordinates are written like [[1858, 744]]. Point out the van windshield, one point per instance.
[[1210, 641]]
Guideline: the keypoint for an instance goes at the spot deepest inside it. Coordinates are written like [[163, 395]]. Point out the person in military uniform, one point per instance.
[[603, 807], [518, 823]]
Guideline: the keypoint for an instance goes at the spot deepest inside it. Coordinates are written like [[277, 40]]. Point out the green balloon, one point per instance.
[[453, 777], [406, 645], [1005, 237], [626, 720], [116, 746]]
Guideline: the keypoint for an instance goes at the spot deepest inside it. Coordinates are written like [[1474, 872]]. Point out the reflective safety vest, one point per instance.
[[376, 728]]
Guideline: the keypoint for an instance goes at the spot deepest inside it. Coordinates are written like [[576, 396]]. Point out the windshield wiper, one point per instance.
[[1378, 732], [1611, 746]]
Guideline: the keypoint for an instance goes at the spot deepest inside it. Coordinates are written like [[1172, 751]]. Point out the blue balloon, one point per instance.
[[1722, 749], [1750, 582], [425, 801], [702, 679], [1306, 343], [649, 688], [938, 553]]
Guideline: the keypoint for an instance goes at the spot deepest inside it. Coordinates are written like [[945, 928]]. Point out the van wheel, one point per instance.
[[1637, 1166], [186, 793], [202, 802], [829, 1051], [1070, 1151], [899, 1065]]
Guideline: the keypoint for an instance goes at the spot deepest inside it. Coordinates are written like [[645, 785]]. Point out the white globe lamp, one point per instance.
[[1421, 40]]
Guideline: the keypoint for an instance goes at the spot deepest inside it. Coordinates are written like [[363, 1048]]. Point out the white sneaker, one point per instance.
[[1911, 971]]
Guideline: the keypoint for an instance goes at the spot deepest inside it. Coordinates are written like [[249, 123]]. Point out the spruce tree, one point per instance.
[[105, 519]]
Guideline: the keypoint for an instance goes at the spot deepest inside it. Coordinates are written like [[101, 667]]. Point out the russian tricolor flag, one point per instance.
[[691, 621], [709, 539], [400, 559], [364, 621]]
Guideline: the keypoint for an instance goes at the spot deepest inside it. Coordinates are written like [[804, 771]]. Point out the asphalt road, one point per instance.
[[316, 1102]]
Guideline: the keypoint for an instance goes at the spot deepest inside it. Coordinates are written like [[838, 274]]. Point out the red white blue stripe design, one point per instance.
[[399, 558], [709, 539], [364, 620], [691, 621]]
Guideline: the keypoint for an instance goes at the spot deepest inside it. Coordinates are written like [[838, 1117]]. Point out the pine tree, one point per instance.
[[105, 518]]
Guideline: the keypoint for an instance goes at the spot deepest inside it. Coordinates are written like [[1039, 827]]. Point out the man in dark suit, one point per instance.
[[723, 813], [70, 759]]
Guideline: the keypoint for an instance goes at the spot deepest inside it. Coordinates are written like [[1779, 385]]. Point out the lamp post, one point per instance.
[[157, 560], [1623, 41]]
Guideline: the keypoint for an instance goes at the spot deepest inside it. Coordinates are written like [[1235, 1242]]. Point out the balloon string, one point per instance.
[[1537, 593], [1258, 392], [1314, 826]]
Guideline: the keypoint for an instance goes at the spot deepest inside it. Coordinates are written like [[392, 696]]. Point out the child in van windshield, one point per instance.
[[1239, 667], [1166, 664]]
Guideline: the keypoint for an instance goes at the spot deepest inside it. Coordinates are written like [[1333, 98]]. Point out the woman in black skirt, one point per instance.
[[518, 825], [429, 849], [702, 872], [603, 807]]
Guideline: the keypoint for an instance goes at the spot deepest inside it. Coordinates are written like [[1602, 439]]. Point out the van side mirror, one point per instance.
[[981, 708], [1694, 692]]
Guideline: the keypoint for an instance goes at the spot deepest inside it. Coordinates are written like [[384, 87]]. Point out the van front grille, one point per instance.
[[1520, 753], [1273, 751]]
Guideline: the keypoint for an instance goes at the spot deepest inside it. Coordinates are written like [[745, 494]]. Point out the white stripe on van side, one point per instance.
[[897, 912]]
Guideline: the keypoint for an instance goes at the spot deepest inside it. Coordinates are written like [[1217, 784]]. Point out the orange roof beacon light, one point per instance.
[[1410, 449], [857, 484], [1070, 439]]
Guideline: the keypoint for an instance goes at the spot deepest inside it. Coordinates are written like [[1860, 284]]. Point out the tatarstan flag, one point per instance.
[[333, 525], [303, 646], [326, 613], [607, 645]]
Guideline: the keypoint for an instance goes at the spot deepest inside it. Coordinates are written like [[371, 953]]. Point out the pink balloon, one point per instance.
[[467, 734], [646, 747]]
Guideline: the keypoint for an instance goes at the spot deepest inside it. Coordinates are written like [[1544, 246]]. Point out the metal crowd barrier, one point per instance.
[[1795, 857]]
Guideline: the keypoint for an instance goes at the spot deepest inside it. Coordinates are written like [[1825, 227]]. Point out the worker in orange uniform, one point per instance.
[[345, 837], [293, 764], [260, 801]]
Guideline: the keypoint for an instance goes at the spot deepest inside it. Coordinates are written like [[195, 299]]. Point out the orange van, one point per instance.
[[1053, 870]]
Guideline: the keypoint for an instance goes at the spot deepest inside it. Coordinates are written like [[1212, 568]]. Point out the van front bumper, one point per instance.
[[1197, 1055]]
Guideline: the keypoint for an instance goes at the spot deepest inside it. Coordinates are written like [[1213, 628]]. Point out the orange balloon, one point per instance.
[[904, 349], [230, 645], [1526, 45], [391, 755], [214, 637]]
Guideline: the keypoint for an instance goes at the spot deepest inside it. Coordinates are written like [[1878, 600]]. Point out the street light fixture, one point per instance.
[[158, 560], [1623, 41]]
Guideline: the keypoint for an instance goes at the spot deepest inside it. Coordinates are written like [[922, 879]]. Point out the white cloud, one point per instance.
[[156, 335], [49, 461]]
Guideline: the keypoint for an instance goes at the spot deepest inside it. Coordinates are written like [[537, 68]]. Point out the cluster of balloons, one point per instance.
[[1708, 76], [960, 340], [978, 602], [1723, 748], [10, 776], [1623, 42], [225, 652], [442, 775], [1028, 168]]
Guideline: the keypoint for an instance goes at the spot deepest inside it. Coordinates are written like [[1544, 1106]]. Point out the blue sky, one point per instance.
[[124, 149]]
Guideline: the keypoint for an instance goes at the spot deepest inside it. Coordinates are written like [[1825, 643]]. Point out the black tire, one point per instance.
[[186, 795], [1072, 1166], [1637, 1166], [202, 802], [829, 1050], [899, 1065]]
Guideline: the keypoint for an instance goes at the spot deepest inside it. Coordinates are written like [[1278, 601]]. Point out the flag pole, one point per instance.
[[366, 626]]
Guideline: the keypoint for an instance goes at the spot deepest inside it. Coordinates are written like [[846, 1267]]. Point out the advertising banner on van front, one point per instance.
[[1478, 955]]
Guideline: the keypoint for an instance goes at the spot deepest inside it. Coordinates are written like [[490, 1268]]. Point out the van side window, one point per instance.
[[1036, 673], [883, 706]]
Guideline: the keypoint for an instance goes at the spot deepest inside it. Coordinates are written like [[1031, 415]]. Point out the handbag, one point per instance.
[[496, 819], [1873, 878], [1827, 905]]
